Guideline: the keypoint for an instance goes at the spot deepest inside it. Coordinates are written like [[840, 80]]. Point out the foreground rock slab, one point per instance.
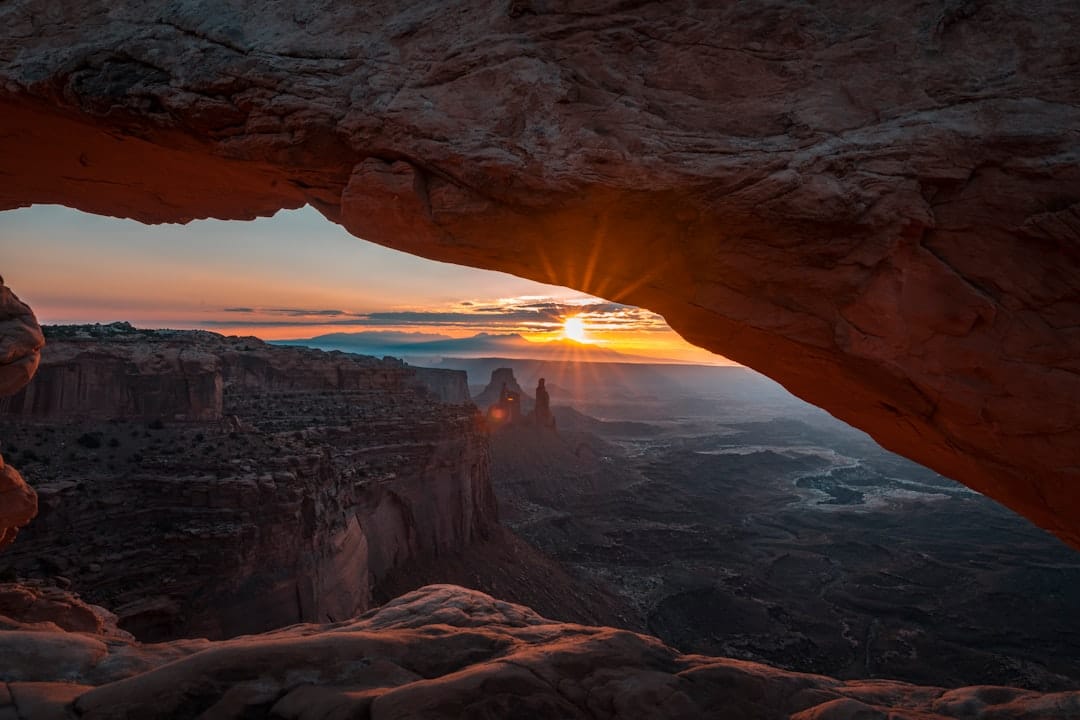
[[877, 206], [446, 652]]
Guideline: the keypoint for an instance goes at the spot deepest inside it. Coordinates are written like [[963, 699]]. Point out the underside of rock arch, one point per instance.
[[876, 205]]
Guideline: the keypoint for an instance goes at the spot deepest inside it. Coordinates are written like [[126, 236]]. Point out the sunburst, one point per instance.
[[574, 329]]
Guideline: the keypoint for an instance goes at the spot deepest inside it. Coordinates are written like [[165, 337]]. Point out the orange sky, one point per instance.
[[295, 275]]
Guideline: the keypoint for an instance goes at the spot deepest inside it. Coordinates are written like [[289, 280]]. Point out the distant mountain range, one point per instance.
[[428, 347]]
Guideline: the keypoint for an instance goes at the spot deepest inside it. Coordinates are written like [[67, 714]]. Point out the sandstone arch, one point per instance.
[[876, 205]]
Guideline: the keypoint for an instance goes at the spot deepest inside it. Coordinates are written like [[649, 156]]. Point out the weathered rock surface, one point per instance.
[[446, 652], [40, 607], [126, 378], [20, 351], [18, 503], [316, 475], [876, 205], [20, 342]]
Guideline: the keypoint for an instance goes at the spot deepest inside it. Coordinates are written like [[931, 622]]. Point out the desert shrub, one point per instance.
[[157, 424], [114, 443]]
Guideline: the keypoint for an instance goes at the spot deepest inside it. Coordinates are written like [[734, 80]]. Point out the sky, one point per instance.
[[295, 275]]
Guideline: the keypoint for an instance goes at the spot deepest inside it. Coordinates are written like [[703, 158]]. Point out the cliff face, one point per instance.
[[148, 374], [876, 205], [124, 378], [324, 472], [450, 386], [446, 652]]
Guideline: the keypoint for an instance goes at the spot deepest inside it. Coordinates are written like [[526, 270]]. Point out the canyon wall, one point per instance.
[[317, 475], [122, 379], [876, 205], [150, 374], [450, 386]]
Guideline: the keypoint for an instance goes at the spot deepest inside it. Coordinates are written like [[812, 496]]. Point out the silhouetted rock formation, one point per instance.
[[326, 471], [502, 379], [449, 386], [445, 652], [541, 414], [876, 205], [508, 405], [507, 410], [20, 350]]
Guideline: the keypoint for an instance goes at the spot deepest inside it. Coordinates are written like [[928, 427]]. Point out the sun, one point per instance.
[[574, 329]]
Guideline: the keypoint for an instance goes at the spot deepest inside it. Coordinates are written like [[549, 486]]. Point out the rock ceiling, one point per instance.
[[877, 205]]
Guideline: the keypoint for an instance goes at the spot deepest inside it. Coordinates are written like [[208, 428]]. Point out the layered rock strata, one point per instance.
[[877, 206], [124, 378], [446, 652], [322, 473], [18, 503], [134, 374]]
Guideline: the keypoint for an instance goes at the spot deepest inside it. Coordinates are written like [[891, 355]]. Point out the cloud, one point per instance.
[[527, 314], [288, 312]]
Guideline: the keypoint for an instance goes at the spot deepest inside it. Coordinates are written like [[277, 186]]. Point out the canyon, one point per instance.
[[286, 485], [199, 485], [732, 519], [876, 206]]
